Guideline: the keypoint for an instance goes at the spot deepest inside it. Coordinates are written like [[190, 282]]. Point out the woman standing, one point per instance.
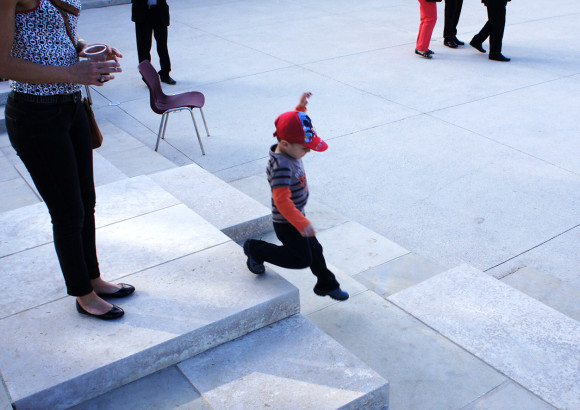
[[49, 129], [428, 19]]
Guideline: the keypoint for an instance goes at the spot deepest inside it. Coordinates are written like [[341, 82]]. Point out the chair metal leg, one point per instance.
[[161, 130], [204, 123], [197, 131]]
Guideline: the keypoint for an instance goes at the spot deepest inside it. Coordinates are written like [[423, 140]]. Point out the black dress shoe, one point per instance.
[[125, 290], [424, 54], [457, 41], [166, 79], [477, 46], [449, 43], [499, 57], [115, 312]]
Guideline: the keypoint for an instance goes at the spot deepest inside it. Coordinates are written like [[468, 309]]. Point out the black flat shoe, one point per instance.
[[115, 312], [125, 290], [458, 42], [450, 43], [477, 46], [499, 57], [424, 54]]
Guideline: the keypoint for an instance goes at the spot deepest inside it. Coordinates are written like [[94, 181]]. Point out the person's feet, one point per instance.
[[424, 54], [165, 78], [499, 57], [93, 305], [449, 42], [457, 41], [336, 294], [477, 46], [253, 265]]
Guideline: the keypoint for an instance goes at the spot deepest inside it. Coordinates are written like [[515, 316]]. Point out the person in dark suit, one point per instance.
[[493, 29], [152, 17], [452, 13]]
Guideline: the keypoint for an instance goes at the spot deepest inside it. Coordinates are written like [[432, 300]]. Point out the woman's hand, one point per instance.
[[94, 73]]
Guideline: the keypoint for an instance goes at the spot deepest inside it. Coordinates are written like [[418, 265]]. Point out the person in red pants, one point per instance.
[[428, 20]]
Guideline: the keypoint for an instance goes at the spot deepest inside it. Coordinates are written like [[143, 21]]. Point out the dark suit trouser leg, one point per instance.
[[143, 33], [452, 13], [160, 33], [496, 15], [483, 33]]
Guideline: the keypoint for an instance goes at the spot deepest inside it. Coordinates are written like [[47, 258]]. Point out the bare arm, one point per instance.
[[26, 71]]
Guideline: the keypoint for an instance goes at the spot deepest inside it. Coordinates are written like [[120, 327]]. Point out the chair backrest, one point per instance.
[[151, 78]]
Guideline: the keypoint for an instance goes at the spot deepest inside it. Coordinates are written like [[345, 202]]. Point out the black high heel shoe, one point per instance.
[[424, 54], [115, 312]]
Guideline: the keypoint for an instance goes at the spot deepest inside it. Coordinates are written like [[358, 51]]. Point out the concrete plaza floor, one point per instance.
[[457, 159]]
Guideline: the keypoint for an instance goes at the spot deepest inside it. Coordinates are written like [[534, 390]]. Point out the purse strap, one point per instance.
[[63, 7]]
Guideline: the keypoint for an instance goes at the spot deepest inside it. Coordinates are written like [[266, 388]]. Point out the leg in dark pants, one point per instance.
[[296, 252], [144, 35], [493, 28], [452, 13], [53, 141], [160, 33]]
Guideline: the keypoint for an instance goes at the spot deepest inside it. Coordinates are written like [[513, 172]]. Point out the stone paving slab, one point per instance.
[[509, 396], [354, 248], [425, 370], [531, 343], [398, 274], [30, 226], [164, 390], [288, 365], [17, 193], [181, 308], [549, 290], [33, 277], [230, 210]]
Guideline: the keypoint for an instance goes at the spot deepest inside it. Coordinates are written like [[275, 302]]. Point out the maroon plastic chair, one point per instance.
[[164, 104]]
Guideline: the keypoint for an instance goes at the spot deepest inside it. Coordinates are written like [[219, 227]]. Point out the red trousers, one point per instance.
[[428, 20]]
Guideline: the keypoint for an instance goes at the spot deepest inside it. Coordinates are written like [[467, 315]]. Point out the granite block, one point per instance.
[[424, 369], [354, 248], [533, 344], [227, 208], [166, 389], [548, 289], [181, 308], [398, 274], [33, 276], [509, 396], [20, 194], [287, 365]]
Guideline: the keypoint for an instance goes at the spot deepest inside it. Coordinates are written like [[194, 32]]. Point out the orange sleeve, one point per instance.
[[282, 200], [300, 108]]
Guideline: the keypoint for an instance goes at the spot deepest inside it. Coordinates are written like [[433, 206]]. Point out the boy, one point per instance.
[[300, 248]]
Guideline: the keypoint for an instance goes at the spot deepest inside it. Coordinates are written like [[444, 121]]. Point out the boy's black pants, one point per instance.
[[296, 252]]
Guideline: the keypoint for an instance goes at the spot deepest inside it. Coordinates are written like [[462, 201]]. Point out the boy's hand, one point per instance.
[[304, 98], [308, 231]]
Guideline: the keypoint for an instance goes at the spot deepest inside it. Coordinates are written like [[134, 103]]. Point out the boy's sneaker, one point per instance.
[[253, 266], [336, 294]]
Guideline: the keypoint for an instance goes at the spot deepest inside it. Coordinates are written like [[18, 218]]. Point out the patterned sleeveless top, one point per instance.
[[40, 36]]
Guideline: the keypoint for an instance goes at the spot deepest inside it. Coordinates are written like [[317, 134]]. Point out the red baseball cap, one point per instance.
[[296, 126]]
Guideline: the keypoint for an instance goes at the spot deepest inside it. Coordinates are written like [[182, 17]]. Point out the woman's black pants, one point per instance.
[[52, 138]]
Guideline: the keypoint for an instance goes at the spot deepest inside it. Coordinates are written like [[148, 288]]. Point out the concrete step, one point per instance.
[[194, 293], [128, 154], [234, 213], [288, 365], [533, 344]]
